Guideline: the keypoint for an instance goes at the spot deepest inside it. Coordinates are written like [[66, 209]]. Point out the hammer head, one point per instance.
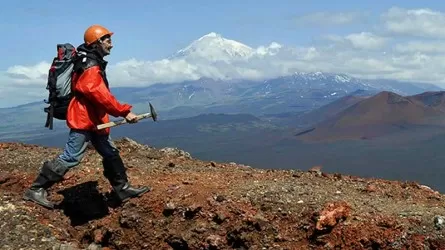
[[153, 113]]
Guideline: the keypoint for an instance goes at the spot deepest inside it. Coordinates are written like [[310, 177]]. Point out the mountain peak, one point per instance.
[[211, 35], [213, 46]]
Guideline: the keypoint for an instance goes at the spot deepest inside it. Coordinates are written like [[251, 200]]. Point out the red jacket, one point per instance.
[[93, 101]]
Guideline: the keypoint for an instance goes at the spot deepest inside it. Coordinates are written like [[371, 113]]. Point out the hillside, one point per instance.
[[434, 99], [329, 110], [379, 115], [197, 204]]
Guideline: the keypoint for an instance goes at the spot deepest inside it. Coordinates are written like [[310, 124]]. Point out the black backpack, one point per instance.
[[59, 83]]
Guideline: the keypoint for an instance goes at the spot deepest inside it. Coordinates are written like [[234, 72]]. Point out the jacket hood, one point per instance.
[[92, 51]]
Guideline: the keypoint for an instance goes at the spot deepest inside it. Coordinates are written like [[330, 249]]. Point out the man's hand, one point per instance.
[[131, 118]]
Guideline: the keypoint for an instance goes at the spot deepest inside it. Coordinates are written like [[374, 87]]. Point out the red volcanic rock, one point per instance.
[[332, 214], [197, 204]]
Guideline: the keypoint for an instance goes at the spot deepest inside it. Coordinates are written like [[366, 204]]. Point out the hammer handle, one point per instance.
[[120, 122]]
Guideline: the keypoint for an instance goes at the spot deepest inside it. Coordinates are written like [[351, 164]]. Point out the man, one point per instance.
[[90, 106]]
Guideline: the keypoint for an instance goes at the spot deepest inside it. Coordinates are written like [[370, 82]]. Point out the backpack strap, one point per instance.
[[52, 79], [49, 116], [82, 63]]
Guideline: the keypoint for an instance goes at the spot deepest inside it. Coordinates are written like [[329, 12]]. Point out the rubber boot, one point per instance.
[[115, 172], [51, 173]]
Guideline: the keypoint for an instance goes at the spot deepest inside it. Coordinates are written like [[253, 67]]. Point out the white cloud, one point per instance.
[[428, 47], [362, 40], [366, 40], [272, 49], [367, 54], [139, 72], [416, 22], [28, 75]]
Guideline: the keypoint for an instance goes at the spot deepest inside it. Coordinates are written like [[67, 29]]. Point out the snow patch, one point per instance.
[[342, 78]]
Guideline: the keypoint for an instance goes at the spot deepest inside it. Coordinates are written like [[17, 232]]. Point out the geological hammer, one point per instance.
[[152, 114]]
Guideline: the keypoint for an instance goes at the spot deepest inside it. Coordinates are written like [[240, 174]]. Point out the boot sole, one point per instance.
[[139, 195]]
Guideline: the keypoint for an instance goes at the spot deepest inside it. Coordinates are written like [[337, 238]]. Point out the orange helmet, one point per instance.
[[94, 32]]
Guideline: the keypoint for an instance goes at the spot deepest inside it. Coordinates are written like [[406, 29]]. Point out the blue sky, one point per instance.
[[154, 29], [148, 31]]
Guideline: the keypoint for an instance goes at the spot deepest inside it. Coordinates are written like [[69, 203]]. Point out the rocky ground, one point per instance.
[[197, 204]]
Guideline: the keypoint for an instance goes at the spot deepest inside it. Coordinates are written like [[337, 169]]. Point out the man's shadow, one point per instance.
[[83, 203]]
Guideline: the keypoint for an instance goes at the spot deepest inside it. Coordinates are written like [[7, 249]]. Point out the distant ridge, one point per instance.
[[381, 114]]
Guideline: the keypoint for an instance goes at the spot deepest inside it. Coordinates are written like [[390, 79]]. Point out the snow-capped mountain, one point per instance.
[[216, 57], [213, 47]]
